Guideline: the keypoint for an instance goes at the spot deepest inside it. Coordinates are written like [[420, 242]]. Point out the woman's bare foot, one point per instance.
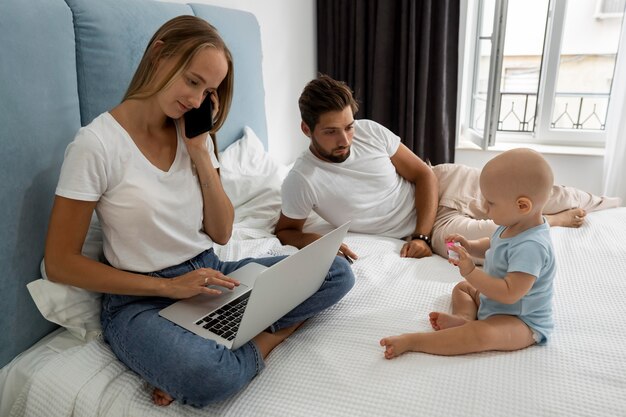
[[397, 345], [161, 398], [568, 218], [266, 341], [440, 321]]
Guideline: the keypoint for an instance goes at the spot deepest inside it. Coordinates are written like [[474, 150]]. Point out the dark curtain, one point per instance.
[[400, 58]]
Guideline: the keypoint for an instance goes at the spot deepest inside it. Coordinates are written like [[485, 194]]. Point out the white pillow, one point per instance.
[[252, 181], [75, 309]]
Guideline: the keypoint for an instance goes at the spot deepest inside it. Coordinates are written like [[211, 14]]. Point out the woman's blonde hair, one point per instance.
[[182, 37]]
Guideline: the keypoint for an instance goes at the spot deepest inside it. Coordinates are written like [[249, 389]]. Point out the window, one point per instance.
[[540, 71]]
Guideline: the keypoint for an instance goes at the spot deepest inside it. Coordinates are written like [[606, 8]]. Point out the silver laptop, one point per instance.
[[264, 295]]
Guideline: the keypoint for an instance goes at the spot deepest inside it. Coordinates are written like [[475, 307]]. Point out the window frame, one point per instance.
[[543, 134]]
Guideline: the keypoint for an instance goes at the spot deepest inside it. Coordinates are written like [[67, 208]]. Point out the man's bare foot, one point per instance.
[[161, 398], [396, 345], [441, 321], [568, 218]]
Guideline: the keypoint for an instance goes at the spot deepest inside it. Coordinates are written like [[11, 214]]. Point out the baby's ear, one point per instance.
[[524, 204]]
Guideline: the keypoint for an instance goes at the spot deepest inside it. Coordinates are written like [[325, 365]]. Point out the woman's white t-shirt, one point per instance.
[[151, 219], [365, 188]]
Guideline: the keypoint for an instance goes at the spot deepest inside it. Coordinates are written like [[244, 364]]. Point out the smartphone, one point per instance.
[[200, 120]]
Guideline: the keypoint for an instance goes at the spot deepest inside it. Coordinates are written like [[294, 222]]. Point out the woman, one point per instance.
[[160, 202]]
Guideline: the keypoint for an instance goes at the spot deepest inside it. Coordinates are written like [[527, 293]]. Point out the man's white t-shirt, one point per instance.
[[365, 188], [151, 219]]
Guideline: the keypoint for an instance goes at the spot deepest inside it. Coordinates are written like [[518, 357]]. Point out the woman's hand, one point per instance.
[[216, 103], [196, 282]]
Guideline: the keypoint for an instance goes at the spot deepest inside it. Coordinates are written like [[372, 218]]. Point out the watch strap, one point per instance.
[[420, 236]]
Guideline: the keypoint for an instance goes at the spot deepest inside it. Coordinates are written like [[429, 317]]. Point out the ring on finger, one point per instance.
[[206, 280]]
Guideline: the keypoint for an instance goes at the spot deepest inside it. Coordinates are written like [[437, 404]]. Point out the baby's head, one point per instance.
[[514, 184]]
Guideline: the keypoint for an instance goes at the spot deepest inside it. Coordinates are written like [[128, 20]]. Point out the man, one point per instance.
[[358, 170]]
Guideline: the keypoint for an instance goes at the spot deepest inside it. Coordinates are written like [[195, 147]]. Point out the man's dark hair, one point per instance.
[[323, 95]]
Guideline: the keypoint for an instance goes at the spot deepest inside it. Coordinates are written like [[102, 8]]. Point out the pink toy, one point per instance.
[[452, 254]]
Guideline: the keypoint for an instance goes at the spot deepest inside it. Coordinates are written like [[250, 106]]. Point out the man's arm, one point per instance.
[[289, 232], [413, 169]]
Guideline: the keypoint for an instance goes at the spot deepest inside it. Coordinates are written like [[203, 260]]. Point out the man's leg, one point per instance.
[[568, 206], [460, 206], [461, 210], [449, 221]]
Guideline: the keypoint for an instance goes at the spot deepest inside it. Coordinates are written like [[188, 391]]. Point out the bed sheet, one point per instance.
[[17, 373], [333, 365]]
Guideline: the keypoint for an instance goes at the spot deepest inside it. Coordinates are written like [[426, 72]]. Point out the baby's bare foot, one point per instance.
[[441, 321], [161, 398], [396, 345], [568, 218]]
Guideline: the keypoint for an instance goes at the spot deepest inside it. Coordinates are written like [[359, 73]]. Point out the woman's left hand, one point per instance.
[[197, 282]]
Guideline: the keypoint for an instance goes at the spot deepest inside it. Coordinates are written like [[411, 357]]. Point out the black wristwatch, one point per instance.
[[420, 236]]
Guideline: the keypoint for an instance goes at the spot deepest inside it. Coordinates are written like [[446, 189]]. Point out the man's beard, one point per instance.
[[329, 155]]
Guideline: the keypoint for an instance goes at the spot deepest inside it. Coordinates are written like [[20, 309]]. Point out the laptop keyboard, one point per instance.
[[225, 321]]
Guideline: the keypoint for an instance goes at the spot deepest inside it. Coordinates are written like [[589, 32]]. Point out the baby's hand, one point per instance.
[[454, 238], [461, 258]]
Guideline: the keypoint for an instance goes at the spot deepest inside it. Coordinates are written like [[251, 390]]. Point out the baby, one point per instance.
[[508, 305]]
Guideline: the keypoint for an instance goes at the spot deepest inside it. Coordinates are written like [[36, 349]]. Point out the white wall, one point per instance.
[[288, 37], [580, 171]]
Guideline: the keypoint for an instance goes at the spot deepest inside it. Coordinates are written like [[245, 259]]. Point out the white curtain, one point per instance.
[[615, 155]]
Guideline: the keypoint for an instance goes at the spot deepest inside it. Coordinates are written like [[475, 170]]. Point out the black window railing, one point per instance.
[[574, 111]]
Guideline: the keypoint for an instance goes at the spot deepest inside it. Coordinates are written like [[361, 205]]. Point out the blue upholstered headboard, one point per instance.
[[63, 62]]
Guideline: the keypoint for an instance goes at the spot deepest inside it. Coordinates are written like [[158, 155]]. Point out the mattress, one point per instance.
[[334, 366]]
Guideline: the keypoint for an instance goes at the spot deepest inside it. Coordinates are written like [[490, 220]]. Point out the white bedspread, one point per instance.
[[333, 365]]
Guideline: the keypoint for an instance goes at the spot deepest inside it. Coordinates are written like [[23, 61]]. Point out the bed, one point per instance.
[[333, 365], [56, 364]]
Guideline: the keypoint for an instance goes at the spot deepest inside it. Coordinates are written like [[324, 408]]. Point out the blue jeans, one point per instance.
[[192, 369]]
